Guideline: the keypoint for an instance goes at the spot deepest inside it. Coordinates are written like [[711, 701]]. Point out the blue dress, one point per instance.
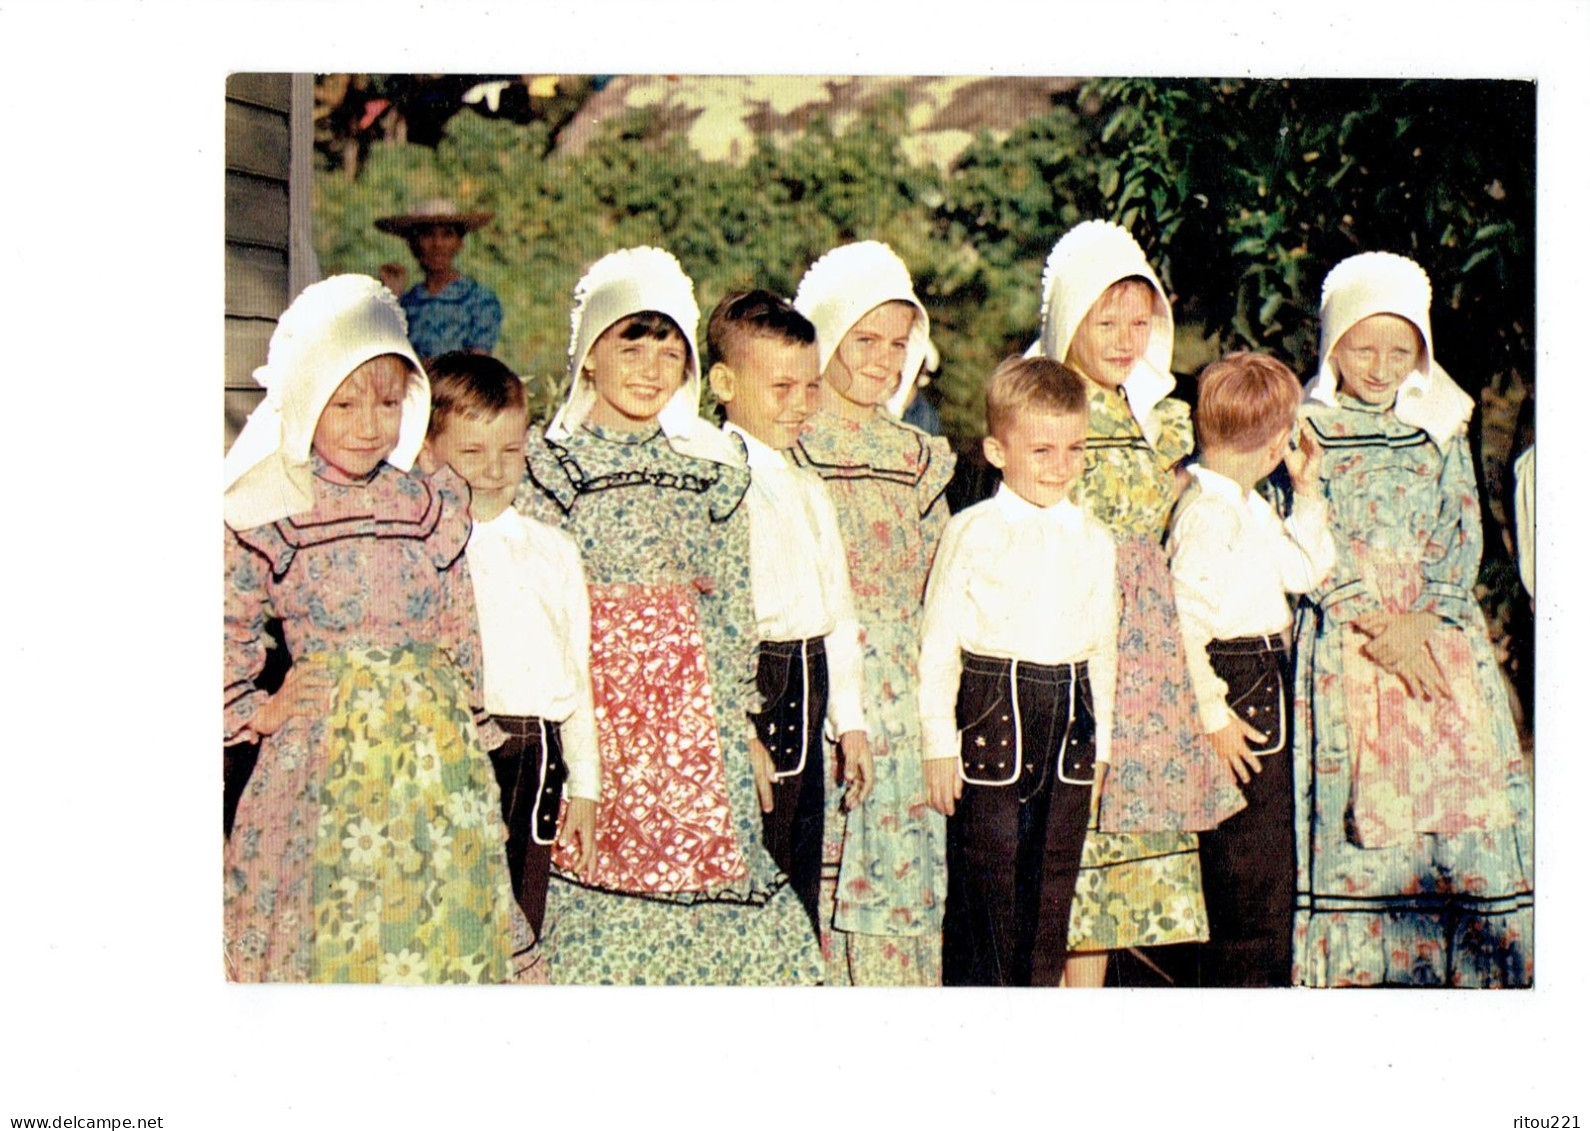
[[1414, 907], [464, 316]]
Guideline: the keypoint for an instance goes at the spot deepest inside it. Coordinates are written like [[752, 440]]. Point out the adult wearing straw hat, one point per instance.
[[448, 311]]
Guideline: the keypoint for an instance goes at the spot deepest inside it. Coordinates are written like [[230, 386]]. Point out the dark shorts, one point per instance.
[[1015, 839]]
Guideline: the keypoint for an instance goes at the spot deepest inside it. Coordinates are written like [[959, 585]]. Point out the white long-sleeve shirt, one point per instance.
[[1234, 561], [800, 582], [535, 634], [1017, 581]]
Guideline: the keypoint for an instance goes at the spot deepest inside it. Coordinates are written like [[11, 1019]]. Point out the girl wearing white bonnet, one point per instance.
[[367, 845], [1413, 799], [882, 903], [1105, 315], [682, 891]]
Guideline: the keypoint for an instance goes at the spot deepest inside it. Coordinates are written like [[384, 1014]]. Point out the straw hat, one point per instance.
[[440, 210]]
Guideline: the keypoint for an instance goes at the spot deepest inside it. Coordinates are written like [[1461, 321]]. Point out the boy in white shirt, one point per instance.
[[1018, 684], [762, 365], [1234, 561], [535, 627]]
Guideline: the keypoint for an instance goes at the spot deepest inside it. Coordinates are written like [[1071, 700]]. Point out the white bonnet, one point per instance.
[[1087, 261], [844, 285], [618, 285], [1378, 282], [331, 329]]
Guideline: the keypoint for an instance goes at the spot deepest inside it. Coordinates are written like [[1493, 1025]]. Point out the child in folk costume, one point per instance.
[[762, 365], [367, 845], [535, 625], [1105, 314], [1018, 684], [1234, 563], [883, 899], [1413, 800], [682, 890]]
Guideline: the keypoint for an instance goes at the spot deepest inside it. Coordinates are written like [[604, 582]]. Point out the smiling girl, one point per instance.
[[682, 890], [1413, 798], [367, 845], [884, 873]]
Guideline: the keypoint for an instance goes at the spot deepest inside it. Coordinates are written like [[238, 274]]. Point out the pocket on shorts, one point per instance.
[[1262, 705], [989, 750]]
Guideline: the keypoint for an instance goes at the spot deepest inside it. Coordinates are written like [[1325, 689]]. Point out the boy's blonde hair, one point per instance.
[[1032, 384], [472, 385], [1244, 401]]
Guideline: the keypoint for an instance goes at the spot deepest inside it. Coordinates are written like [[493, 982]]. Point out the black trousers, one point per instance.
[[1015, 839], [1248, 862], [792, 676], [530, 774]]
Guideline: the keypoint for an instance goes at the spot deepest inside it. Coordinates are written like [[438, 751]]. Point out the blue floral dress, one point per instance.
[[1416, 908], [682, 892], [884, 863]]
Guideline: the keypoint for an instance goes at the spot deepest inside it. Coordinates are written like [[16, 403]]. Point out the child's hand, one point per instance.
[[942, 777], [305, 693], [395, 277], [1399, 643], [1302, 464], [1231, 743], [855, 752], [762, 771], [578, 834]]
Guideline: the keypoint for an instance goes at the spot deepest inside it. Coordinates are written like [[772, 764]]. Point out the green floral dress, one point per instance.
[[1137, 889], [367, 845], [682, 891], [884, 863]]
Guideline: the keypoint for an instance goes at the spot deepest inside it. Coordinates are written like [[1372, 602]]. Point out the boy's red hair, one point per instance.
[[1244, 401]]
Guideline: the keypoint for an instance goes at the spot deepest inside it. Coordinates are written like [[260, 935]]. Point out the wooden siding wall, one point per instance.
[[267, 222]]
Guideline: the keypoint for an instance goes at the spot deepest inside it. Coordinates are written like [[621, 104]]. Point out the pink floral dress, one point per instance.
[[368, 844]]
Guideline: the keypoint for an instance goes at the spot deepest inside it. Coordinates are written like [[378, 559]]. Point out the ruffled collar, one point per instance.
[[622, 435]]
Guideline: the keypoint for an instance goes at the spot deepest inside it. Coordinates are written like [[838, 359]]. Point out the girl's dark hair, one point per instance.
[[647, 324]]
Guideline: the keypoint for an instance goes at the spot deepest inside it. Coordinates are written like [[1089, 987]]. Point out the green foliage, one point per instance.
[[1243, 193], [1252, 190]]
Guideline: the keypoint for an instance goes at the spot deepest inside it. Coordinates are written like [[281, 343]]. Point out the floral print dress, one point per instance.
[[884, 863], [1414, 837], [1140, 889], [682, 891], [367, 845]]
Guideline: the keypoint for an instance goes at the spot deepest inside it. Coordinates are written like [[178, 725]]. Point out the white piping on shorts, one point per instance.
[[806, 714]]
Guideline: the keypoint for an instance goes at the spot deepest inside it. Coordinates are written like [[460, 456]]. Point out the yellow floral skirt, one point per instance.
[[368, 846]]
